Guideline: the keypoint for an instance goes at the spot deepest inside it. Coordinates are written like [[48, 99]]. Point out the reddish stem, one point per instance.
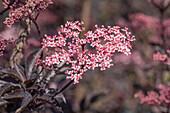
[[40, 71], [37, 15], [39, 32], [64, 87], [2, 12]]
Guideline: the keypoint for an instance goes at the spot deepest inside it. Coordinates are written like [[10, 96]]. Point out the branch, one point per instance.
[[37, 15], [39, 32], [64, 87], [2, 12], [11, 2]]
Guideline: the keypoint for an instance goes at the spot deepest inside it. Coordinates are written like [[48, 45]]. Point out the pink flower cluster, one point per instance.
[[23, 9], [163, 58], [4, 43], [156, 98], [71, 48], [143, 22]]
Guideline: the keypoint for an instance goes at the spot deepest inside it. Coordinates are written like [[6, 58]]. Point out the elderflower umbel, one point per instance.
[[105, 41]]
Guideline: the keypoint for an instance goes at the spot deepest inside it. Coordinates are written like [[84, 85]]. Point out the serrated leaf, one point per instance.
[[50, 100], [21, 68], [3, 102], [50, 75], [26, 100], [6, 87], [19, 93], [30, 62], [47, 76], [20, 72], [46, 98], [60, 95], [10, 73], [2, 83]]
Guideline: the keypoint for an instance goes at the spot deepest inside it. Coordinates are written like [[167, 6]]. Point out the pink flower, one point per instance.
[[105, 42], [143, 22], [156, 98], [4, 43], [161, 57], [21, 10]]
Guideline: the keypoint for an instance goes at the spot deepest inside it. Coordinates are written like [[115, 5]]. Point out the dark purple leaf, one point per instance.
[[3, 102], [50, 100], [26, 100], [19, 93], [29, 82], [10, 73], [34, 87], [30, 62], [7, 87], [20, 72]]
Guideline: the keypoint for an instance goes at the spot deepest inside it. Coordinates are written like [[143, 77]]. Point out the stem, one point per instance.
[[39, 74], [40, 71], [2, 12], [37, 15], [82, 46], [39, 32], [11, 2], [64, 87]]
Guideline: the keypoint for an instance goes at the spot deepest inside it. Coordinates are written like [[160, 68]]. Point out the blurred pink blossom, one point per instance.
[[143, 22], [161, 57], [156, 98], [31, 42], [47, 17], [10, 33], [122, 22], [134, 58]]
